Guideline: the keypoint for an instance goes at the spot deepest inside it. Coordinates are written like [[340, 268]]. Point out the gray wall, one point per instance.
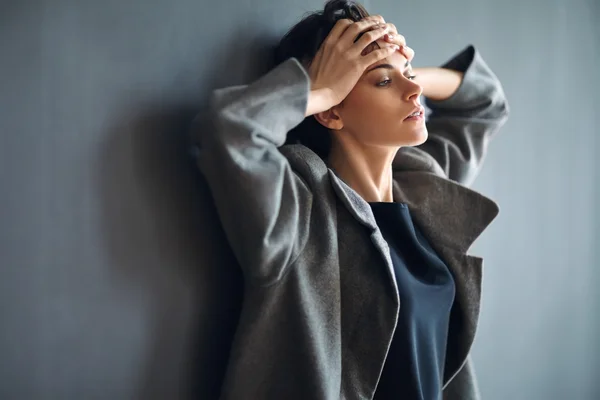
[[110, 284]]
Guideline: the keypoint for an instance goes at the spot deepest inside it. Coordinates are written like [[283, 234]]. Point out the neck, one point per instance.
[[366, 169]]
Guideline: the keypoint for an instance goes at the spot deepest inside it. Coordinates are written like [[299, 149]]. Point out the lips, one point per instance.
[[419, 109]]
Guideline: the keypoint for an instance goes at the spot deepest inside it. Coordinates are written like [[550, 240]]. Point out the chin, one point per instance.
[[424, 136], [419, 137]]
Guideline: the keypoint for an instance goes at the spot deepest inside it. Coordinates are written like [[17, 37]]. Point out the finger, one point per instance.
[[392, 28], [378, 55], [355, 30], [376, 17], [338, 29], [407, 52], [389, 38], [395, 38], [342, 25], [380, 17], [367, 38]]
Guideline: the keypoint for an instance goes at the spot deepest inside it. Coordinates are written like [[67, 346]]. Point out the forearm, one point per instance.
[[438, 83], [318, 100]]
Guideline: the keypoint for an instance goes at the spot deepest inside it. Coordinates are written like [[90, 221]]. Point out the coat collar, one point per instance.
[[451, 217]]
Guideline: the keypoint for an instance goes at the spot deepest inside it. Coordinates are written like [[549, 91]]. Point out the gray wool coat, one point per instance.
[[320, 299]]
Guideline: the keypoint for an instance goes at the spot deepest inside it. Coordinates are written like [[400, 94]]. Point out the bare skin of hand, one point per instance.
[[339, 63], [438, 83]]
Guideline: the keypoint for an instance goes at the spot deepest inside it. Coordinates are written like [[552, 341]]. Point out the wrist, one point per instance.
[[438, 83], [424, 77], [318, 100]]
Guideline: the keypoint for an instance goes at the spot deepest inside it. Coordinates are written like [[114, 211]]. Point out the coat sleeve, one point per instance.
[[264, 206], [461, 126]]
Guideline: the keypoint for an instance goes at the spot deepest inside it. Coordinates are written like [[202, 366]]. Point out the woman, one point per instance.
[[352, 237]]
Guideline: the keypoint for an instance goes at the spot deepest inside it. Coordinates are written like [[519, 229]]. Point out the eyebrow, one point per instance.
[[387, 66]]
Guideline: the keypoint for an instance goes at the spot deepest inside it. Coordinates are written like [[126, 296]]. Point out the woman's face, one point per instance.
[[375, 111]]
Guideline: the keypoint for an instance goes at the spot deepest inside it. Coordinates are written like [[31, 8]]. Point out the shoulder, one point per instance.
[[414, 159], [305, 163]]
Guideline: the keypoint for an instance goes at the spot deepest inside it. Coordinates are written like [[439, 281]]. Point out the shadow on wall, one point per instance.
[[163, 236]]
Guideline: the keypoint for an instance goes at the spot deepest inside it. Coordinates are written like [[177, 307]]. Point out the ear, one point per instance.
[[330, 119]]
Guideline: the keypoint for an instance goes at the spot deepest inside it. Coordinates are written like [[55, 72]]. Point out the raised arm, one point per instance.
[[461, 126], [264, 205]]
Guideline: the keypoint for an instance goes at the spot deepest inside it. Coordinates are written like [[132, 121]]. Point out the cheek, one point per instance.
[[373, 123], [375, 117], [374, 108], [361, 115], [371, 102]]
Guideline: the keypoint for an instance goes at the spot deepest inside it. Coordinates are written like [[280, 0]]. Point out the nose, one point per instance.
[[413, 90]]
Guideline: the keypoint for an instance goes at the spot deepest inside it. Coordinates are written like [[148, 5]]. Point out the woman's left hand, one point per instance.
[[394, 37]]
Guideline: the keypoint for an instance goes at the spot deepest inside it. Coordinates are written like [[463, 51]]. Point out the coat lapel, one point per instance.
[[362, 212], [451, 216]]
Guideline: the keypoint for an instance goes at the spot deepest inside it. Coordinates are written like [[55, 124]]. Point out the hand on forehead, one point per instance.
[[392, 37], [406, 53]]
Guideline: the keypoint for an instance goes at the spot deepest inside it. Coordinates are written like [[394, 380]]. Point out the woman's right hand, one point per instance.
[[339, 63]]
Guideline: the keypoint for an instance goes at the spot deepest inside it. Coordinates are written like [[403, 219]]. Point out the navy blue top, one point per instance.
[[414, 367]]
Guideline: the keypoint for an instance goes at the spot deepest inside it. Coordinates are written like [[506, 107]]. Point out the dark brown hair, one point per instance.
[[303, 41]]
